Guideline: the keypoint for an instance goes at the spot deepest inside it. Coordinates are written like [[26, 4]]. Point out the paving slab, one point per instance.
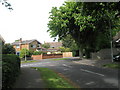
[[29, 78]]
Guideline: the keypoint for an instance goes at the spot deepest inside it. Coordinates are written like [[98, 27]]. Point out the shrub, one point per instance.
[[25, 51], [37, 52], [8, 49], [10, 70]]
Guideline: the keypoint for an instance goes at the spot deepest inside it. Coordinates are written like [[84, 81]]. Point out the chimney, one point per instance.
[[21, 40]]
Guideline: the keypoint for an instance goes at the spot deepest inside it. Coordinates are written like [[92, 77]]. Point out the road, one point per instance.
[[85, 76]]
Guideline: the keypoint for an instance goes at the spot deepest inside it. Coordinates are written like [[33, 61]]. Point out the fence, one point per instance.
[[47, 56]]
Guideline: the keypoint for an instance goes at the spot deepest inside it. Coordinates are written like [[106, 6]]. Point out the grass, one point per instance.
[[52, 79], [29, 61], [60, 59], [112, 65]]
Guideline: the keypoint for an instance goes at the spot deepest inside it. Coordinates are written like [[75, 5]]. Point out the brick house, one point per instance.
[[28, 44], [54, 47]]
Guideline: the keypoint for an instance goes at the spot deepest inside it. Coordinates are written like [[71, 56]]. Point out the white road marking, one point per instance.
[[65, 69], [89, 83], [66, 65], [92, 72]]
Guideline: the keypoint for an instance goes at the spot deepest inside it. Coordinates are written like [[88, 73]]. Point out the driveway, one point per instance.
[[84, 75]]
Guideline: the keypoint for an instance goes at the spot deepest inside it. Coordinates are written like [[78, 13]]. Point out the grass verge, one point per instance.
[[28, 61], [53, 80], [112, 65], [60, 59]]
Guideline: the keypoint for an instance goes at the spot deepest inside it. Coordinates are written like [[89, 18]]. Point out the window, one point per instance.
[[33, 46], [17, 46]]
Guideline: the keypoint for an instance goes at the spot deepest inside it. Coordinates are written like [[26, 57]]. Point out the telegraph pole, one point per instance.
[[111, 40], [25, 51]]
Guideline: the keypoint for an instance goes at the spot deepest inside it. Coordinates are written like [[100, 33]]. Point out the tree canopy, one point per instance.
[[46, 45], [8, 49], [89, 24]]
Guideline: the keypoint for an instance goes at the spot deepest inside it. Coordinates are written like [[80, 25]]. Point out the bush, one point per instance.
[[10, 70], [25, 51], [37, 52], [8, 49]]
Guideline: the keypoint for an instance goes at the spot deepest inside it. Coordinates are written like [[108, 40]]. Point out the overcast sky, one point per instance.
[[28, 20]]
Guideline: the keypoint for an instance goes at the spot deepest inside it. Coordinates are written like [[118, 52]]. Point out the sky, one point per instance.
[[28, 20]]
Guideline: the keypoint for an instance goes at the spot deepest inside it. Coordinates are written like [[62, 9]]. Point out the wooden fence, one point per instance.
[[47, 56]]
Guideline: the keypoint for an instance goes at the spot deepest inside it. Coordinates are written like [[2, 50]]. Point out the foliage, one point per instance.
[[69, 42], [85, 22], [30, 61], [10, 70], [37, 52], [63, 49], [52, 79], [112, 65], [46, 45], [8, 49], [26, 52]]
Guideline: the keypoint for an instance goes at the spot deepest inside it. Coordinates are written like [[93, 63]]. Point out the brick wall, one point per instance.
[[36, 57], [67, 54], [46, 56]]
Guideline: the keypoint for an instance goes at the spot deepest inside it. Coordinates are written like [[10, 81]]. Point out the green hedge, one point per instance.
[[10, 70]]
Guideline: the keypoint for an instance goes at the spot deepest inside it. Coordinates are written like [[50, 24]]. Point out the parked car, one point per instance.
[[116, 57]]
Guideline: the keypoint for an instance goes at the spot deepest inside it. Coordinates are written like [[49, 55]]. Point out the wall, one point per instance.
[[46, 56], [25, 46], [67, 54], [17, 49], [104, 54], [33, 43], [36, 57]]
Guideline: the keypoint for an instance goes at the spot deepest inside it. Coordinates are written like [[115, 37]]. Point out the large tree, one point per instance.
[[89, 24]]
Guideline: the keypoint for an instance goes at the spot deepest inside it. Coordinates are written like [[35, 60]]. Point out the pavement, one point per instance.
[[29, 78], [84, 73]]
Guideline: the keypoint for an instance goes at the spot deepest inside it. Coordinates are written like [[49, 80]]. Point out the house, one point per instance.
[[2, 41], [28, 44], [54, 48]]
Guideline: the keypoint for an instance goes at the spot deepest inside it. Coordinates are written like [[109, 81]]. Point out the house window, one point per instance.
[[17, 46], [33, 46]]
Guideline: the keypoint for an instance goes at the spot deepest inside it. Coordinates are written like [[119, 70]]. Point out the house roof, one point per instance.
[[1, 38], [55, 44], [24, 42]]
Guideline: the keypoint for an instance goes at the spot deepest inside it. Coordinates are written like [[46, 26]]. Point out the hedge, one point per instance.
[[10, 70]]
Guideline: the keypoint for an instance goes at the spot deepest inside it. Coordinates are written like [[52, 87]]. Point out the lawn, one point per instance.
[[29, 61], [113, 65], [60, 59], [53, 80]]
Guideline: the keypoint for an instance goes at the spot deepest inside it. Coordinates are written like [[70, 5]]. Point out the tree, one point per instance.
[[63, 49], [24, 52], [69, 42], [8, 49], [85, 22], [46, 45]]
